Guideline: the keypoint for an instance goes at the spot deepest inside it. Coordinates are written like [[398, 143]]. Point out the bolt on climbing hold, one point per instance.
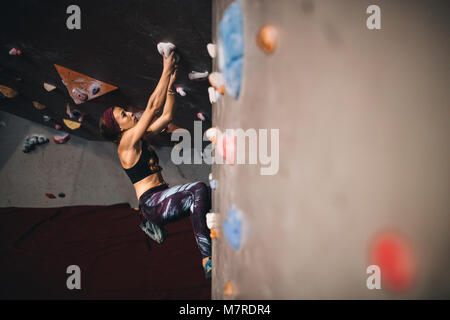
[[217, 81], [61, 195], [60, 139], [214, 96], [232, 227], [50, 195], [212, 182], [229, 290], [39, 106], [194, 75], [212, 50], [15, 52], [58, 127], [46, 118], [71, 124], [94, 89], [31, 142], [165, 48], [201, 116], [214, 234], [212, 220], [49, 87], [212, 134], [8, 92], [267, 38], [180, 91]]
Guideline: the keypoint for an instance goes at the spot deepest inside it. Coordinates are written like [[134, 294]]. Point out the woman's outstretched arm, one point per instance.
[[154, 104], [169, 108]]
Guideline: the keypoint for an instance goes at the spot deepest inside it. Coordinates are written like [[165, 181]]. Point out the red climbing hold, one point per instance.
[[391, 252], [50, 195]]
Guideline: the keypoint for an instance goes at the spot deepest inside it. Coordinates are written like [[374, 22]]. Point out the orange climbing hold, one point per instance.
[[214, 233], [82, 88], [8, 92], [267, 38], [39, 106], [229, 290]]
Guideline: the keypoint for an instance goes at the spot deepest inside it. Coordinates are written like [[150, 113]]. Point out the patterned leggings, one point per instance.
[[162, 205]]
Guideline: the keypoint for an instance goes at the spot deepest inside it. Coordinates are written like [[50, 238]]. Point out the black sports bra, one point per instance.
[[147, 164]]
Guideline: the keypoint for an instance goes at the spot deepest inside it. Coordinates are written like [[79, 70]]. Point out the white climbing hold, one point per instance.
[[194, 75], [213, 95], [212, 134], [217, 81], [212, 220], [165, 48], [49, 87], [212, 50]]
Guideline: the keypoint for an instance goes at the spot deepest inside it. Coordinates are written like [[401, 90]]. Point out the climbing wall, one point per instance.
[[115, 48], [363, 175]]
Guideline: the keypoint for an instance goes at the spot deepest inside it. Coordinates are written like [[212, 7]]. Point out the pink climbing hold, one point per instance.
[[60, 139], [58, 127], [15, 52], [226, 147], [180, 91], [201, 116]]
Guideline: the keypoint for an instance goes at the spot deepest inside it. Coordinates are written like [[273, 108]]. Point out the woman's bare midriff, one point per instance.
[[151, 181]]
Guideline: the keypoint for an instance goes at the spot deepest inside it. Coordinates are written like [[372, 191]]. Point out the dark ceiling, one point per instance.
[[116, 44]]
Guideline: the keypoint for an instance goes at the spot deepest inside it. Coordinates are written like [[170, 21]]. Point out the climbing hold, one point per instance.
[[232, 227], [214, 234], [50, 195], [15, 52], [165, 48], [392, 253], [267, 38], [58, 127], [46, 118], [212, 50], [79, 95], [226, 147], [217, 81], [214, 96], [8, 92], [212, 220], [94, 89], [213, 184], [71, 124], [212, 134], [39, 106], [201, 116], [77, 84], [60, 139], [231, 48], [49, 87], [229, 290], [194, 75], [180, 91], [61, 195]]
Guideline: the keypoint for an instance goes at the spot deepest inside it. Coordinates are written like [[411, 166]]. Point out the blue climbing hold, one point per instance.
[[232, 227], [231, 41]]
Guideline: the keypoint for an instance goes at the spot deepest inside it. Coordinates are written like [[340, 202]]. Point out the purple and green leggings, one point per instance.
[[161, 205]]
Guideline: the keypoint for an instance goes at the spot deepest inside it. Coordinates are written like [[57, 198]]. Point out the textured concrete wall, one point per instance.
[[363, 118], [88, 172]]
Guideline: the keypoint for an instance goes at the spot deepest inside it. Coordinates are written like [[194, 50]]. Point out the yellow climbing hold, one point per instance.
[[39, 106], [8, 92], [49, 87], [71, 124]]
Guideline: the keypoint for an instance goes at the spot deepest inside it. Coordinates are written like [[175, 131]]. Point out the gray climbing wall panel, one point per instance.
[[363, 119]]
